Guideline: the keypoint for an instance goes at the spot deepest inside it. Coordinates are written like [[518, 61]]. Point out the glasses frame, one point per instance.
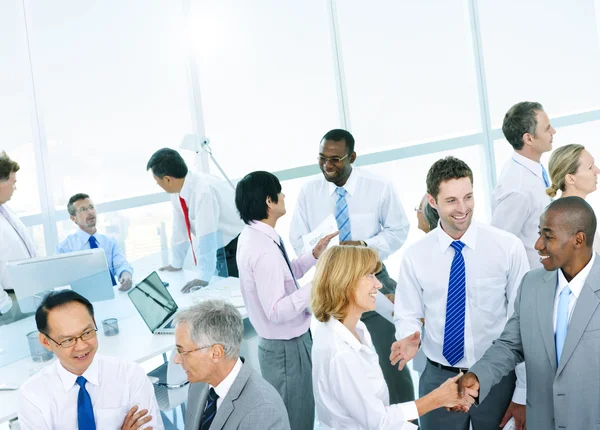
[[85, 209], [183, 353], [76, 338], [334, 160]]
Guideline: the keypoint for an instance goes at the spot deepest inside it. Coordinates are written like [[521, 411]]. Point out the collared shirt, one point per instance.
[[576, 285], [12, 247], [376, 213], [48, 400], [223, 388], [115, 257], [214, 221], [495, 263], [276, 308], [350, 391], [519, 200]]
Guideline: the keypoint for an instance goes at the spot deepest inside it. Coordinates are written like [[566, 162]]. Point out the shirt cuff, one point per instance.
[[519, 396], [409, 410]]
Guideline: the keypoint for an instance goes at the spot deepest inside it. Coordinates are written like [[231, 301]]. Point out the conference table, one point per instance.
[[134, 342]]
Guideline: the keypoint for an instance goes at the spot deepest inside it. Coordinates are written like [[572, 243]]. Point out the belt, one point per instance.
[[448, 368]]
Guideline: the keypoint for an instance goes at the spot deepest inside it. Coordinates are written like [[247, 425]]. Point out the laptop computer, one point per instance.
[[155, 304]]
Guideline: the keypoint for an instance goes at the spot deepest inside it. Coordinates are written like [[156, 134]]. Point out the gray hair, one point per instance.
[[431, 215], [520, 119], [214, 321]]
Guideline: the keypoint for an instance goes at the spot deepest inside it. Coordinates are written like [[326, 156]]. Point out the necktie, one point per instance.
[[210, 410], [454, 330], [186, 216], [287, 261], [21, 231], [562, 321], [85, 411], [545, 176], [342, 218], [94, 245]]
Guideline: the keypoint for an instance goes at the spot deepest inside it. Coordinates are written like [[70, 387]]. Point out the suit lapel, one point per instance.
[[545, 311], [226, 408], [197, 417]]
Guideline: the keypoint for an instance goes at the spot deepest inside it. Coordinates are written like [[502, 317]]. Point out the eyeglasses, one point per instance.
[[85, 209], [418, 209], [183, 352], [322, 159], [71, 341]]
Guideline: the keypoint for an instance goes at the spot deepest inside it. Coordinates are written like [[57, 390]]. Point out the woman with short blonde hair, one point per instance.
[[348, 384]]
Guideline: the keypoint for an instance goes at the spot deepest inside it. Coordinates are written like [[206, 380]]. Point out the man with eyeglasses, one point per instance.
[[83, 213], [225, 391], [368, 212], [83, 389]]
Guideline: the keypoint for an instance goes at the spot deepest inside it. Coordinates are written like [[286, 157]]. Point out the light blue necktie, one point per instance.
[[342, 218], [85, 411], [454, 330], [562, 321], [545, 176], [94, 245]]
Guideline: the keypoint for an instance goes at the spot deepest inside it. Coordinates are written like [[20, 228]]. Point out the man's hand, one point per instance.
[[469, 380], [125, 281], [135, 420], [169, 268], [515, 410], [351, 242], [193, 285], [322, 245], [404, 350]]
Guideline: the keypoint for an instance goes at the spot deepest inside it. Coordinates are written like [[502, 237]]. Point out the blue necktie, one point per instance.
[[210, 410], [454, 331], [94, 245], [545, 176], [562, 321], [342, 218], [85, 411]]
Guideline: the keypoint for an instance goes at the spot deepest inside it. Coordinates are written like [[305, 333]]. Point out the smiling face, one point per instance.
[[366, 293], [336, 171], [556, 245], [455, 206]]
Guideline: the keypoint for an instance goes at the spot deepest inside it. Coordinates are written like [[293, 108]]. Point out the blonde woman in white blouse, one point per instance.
[[348, 384], [573, 171]]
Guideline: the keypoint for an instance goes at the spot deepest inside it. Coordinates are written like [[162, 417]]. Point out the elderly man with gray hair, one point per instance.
[[225, 392]]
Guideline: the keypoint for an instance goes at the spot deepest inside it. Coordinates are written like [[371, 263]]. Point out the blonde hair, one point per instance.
[[338, 272], [564, 161]]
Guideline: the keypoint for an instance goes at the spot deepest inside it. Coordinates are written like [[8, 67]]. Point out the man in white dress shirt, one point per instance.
[[83, 389], [204, 215], [15, 241], [520, 194], [368, 212], [462, 280]]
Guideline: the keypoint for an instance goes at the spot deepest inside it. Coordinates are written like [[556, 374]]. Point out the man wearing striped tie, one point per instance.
[[368, 212], [461, 281]]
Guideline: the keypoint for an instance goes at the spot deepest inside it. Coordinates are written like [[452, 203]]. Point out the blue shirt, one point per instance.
[[115, 258]]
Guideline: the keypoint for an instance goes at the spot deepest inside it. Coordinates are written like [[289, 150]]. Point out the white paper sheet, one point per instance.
[[328, 226], [384, 307]]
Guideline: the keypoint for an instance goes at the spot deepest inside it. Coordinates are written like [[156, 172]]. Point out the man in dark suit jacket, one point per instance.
[[225, 392]]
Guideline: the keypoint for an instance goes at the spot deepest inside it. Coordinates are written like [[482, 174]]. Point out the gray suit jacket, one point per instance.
[[251, 403], [563, 396]]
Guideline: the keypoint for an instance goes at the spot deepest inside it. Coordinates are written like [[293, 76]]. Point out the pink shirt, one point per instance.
[[277, 309]]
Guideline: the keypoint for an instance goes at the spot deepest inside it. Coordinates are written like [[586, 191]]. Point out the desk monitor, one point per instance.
[[86, 272]]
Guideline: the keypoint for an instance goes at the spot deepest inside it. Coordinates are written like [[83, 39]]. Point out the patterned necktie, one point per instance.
[[454, 330], [545, 176], [342, 218], [562, 321], [94, 245], [186, 216], [85, 411], [20, 231], [210, 410]]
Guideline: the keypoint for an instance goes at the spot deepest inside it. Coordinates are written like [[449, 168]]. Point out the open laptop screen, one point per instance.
[[153, 301]]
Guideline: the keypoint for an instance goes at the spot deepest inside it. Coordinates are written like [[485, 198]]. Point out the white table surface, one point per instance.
[[134, 342]]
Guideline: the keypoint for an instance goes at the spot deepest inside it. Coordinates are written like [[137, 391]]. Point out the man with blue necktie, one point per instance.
[[83, 213]]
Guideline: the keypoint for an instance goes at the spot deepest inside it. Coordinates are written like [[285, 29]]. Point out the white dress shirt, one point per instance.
[[48, 400], [376, 214], [518, 201], [495, 263], [223, 388], [348, 384], [214, 221], [576, 285], [12, 247]]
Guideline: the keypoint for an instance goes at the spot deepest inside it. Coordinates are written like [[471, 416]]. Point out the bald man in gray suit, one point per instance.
[[555, 328]]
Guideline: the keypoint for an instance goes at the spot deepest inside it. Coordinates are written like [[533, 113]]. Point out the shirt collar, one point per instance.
[[469, 238], [533, 166], [349, 186], [68, 379], [340, 329], [223, 388], [265, 229], [82, 236], [186, 189], [577, 283]]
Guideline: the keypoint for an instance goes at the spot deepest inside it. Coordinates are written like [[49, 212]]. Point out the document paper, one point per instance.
[[328, 226]]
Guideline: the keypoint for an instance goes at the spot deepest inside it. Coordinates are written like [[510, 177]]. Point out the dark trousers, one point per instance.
[[226, 262]]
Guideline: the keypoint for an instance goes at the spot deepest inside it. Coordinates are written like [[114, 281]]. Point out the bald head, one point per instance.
[[575, 215]]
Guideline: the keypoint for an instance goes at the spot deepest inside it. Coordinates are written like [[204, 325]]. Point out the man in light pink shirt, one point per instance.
[[277, 305]]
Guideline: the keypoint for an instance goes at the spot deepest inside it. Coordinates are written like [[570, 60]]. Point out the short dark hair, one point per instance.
[[337, 135], [7, 166], [578, 216], [446, 169], [73, 199], [167, 162], [56, 299], [251, 195], [520, 119]]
